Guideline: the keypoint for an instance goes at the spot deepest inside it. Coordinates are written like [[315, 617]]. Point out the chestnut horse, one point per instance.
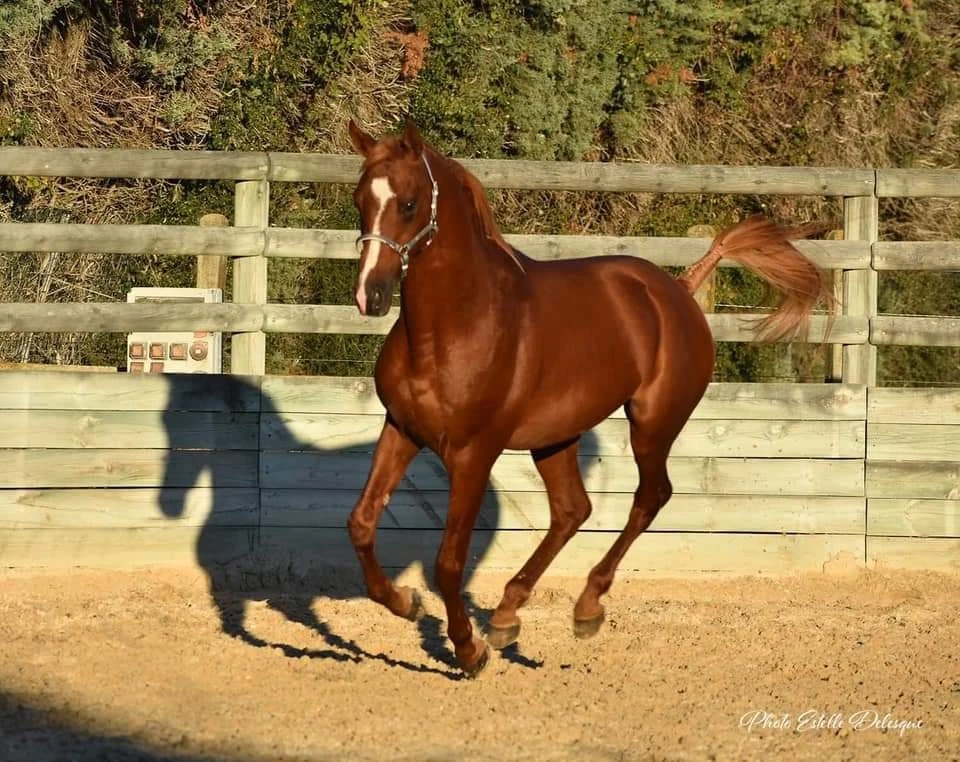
[[494, 350]]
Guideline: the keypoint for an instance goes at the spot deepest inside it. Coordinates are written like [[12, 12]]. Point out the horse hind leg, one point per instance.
[[569, 508], [651, 445]]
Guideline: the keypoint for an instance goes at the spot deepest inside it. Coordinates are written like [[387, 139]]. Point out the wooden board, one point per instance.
[[860, 287], [930, 256], [913, 441], [610, 473], [493, 173], [344, 319], [128, 429], [129, 391], [905, 517], [662, 251], [145, 240], [122, 317], [931, 480], [915, 331], [904, 183], [27, 469], [928, 553], [931, 406], [676, 554], [700, 438], [203, 506], [159, 546], [634, 177], [128, 508], [409, 509], [131, 162], [799, 402], [298, 549]]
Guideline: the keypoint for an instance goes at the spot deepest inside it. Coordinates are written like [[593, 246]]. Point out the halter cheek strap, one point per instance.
[[404, 249]]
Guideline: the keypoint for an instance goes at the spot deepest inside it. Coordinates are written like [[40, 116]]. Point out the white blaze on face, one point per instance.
[[382, 192]]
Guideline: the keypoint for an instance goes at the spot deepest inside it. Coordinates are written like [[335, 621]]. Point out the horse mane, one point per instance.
[[488, 226]]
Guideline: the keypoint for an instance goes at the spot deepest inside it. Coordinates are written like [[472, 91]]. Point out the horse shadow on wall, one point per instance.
[[274, 504]]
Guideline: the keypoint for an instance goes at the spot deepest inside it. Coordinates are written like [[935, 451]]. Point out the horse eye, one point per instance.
[[408, 207]]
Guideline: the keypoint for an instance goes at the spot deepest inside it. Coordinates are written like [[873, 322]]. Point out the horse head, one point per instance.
[[397, 200]]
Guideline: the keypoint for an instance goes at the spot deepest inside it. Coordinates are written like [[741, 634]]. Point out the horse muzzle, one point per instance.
[[374, 298]]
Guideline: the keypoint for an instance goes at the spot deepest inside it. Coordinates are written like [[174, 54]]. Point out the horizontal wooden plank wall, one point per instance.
[[913, 478], [125, 470]]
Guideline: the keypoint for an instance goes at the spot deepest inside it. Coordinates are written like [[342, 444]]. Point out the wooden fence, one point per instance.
[[118, 470]]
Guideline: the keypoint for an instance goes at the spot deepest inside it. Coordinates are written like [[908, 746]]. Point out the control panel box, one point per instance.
[[175, 351]]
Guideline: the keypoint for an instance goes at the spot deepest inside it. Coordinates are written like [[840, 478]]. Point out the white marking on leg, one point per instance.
[[382, 192]]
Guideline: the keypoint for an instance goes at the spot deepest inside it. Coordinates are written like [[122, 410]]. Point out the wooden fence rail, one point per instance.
[[252, 242]]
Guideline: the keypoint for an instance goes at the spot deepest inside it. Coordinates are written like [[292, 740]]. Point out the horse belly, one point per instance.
[[567, 412]]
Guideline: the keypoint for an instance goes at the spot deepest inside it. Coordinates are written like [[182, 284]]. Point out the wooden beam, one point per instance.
[[132, 163], [493, 173], [706, 295], [91, 391], [860, 223], [608, 473], [916, 183], [138, 240], [605, 176], [519, 511], [252, 208], [930, 406], [212, 270], [653, 554], [798, 402], [663, 251], [929, 256], [122, 317], [699, 438], [928, 553], [297, 549], [726, 326], [913, 331], [906, 517], [935, 480]]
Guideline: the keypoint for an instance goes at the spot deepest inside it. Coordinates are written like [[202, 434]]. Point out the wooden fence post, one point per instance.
[[211, 269], [833, 370], [251, 209], [706, 295], [861, 219]]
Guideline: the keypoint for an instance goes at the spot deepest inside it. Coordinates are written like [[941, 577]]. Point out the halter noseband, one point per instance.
[[403, 249]]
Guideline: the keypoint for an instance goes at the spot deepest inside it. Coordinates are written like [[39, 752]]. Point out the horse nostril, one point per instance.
[[375, 299]]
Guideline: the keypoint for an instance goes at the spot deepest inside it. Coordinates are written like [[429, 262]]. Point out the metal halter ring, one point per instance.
[[403, 249]]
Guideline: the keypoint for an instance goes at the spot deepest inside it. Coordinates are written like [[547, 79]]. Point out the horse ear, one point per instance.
[[412, 139], [362, 142]]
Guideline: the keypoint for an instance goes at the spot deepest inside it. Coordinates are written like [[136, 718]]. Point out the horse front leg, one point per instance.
[[393, 453], [468, 482]]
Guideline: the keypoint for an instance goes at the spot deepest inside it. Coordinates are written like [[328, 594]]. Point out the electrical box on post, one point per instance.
[[175, 351]]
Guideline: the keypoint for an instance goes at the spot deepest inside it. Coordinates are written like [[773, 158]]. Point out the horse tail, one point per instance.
[[765, 248]]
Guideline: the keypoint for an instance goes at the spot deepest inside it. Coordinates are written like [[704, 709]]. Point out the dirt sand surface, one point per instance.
[[134, 666]]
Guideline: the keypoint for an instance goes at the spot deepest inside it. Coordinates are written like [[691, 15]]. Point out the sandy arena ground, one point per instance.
[[134, 666]]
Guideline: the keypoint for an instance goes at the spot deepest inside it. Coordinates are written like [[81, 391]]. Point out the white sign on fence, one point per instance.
[[175, 351]]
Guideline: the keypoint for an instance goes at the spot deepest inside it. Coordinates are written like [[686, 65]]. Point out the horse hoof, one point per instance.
[[472, 670], [501, 637], [417, 609], [587, 628]]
